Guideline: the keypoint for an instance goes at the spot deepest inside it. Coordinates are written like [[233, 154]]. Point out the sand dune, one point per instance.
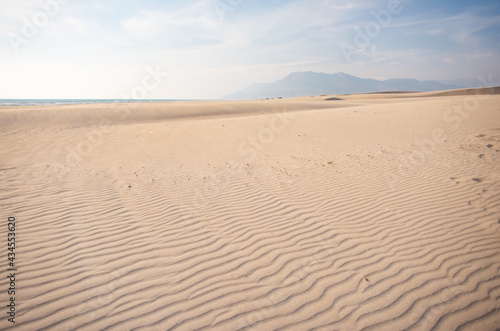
[[134, 113], [369, 213], [449, 93]]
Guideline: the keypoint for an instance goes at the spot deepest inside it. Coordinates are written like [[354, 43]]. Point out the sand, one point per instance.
[[374, 212]]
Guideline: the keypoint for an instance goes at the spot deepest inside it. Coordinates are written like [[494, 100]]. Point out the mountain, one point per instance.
[[310, 83]]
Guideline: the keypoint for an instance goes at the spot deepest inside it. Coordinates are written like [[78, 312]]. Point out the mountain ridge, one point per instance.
[[308, 83]]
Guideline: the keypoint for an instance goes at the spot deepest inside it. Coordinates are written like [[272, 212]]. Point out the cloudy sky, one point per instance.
[[205, 49]]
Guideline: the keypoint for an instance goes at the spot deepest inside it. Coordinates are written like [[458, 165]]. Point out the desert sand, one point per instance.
[[373, 212]]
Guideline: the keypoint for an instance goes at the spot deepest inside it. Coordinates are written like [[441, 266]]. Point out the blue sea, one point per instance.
[[48, 102]]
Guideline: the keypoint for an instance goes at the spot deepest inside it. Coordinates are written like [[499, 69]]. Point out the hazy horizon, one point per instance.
[[206, 49]]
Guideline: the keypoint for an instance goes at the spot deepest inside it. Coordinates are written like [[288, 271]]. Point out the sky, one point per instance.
[[205, 49]]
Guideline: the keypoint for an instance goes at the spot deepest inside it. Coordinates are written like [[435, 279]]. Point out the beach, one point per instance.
[[362, 212]]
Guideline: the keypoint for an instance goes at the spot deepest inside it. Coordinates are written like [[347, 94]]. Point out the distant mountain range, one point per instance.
[[310, 83]]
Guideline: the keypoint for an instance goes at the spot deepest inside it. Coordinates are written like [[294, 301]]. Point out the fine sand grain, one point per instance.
[[373, 212]]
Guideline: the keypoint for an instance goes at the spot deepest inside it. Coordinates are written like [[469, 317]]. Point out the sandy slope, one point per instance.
[[377, 212]]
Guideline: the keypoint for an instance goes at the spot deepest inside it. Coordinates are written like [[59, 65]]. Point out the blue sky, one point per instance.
[[208, 48]]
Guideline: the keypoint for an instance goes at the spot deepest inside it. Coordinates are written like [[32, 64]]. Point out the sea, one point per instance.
[[49, 102]]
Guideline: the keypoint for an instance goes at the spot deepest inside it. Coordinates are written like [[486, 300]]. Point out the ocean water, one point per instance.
[[48, 102]]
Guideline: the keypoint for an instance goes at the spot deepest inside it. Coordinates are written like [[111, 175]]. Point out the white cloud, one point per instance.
[[102, 7], [76, 24], [13, 14], [434, 32], [193, 21]]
